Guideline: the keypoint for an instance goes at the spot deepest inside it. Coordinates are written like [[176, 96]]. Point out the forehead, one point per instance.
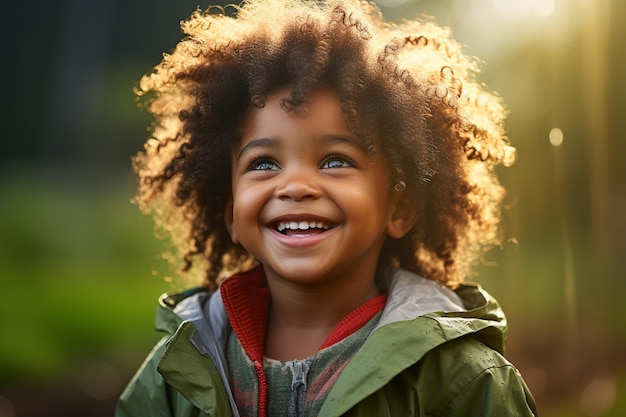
[[321, 111], [321, 116]]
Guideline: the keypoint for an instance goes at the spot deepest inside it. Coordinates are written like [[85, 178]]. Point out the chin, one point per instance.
[[302, 276]]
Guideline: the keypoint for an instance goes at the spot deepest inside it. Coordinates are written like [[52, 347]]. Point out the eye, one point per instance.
[[337, 161], [263, 164]]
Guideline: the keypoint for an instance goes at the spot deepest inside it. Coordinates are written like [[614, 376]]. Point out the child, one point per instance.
[[338, 170]]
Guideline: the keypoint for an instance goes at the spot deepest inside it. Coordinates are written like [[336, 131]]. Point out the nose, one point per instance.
[[298, 184]]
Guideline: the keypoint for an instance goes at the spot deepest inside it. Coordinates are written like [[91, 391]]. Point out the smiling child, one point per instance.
[[331, 176]]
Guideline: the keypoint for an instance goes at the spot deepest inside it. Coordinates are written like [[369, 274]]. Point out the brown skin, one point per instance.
[[308, 317], [294, 168]]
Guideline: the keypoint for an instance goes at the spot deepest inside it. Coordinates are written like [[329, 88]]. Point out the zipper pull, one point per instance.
[[299, 372]]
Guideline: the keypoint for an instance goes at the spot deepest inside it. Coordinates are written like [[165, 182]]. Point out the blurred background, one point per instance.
[[80, 269]]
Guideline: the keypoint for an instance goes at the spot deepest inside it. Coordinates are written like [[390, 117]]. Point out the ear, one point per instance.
[[403, 217], [229, 220]]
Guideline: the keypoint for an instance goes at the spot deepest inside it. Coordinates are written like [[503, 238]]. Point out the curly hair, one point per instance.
[[406, 88]]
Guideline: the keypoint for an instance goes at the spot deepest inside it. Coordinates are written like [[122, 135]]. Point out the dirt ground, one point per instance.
[[52, 401]]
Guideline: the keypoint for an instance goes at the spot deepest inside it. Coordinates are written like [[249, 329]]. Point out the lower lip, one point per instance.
[[301, 241]]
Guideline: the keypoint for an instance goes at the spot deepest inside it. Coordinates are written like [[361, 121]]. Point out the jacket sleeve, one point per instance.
[[496, 391], [478, 382], [147, 393]]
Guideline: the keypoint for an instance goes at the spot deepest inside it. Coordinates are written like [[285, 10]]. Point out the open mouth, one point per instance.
[[302, 227]]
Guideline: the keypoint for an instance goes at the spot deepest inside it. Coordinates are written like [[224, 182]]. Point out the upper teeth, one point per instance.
[[303, 225]]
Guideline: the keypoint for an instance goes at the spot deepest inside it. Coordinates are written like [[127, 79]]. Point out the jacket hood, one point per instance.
[[468, 309]]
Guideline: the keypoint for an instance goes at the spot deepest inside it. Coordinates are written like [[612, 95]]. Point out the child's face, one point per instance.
[[308, 201]]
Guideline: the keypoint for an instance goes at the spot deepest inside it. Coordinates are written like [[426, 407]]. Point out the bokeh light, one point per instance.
[[556, 137], [516, 9], [598, 398]]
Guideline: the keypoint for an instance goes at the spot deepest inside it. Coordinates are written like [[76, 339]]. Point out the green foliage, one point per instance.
[[76, 276]]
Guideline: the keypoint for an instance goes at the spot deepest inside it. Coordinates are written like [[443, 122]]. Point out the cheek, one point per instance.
[[247, 204], [371, 205], [367, 195]]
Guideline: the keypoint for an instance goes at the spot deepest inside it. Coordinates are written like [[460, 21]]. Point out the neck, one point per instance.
[[307, 314]]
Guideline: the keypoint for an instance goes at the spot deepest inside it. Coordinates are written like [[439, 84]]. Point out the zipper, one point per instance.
[[299, 372]]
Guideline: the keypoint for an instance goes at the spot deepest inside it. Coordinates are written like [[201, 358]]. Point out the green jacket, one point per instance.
[[434, 353]]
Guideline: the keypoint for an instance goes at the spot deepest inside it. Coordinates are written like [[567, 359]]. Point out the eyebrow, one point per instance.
[[346, 140], [257, 143], [271, 143]]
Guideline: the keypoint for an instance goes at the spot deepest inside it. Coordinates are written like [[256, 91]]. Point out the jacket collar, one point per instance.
[[411, 296], [195, 376], [195, 361]]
